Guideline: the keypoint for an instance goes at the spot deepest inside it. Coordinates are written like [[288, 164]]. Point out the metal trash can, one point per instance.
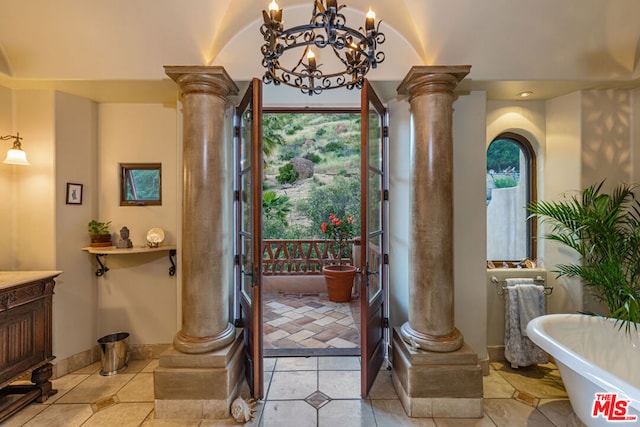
[[115, 353]]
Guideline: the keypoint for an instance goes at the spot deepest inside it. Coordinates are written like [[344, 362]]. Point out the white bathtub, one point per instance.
[[593, 356]]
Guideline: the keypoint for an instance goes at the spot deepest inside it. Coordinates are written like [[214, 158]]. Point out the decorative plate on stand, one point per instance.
[[155, 237]]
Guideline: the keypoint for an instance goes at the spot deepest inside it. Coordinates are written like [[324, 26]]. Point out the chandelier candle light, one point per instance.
[[354, 50]]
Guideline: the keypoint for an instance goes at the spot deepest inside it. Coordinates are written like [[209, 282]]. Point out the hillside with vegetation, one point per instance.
[[294, 207]]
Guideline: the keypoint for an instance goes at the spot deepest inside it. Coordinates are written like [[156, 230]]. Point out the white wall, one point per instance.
[[35, 186], [469, 223], [137, 295], [526, 118], [635, 136], [399, 228], [605, 119], [76, 293], [469, 229], [42, 232], [563, 171], [7, 185]]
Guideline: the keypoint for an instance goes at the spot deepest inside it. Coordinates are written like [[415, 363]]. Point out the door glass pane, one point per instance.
[[375, 266], [245, 149], [247, 210], [374, 220], [375, 140], [246, 207], [246, 266]]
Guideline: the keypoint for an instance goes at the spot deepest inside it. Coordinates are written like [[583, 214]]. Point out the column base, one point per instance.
[[437, 343], [197, 386], [197, 345], [432, 384]]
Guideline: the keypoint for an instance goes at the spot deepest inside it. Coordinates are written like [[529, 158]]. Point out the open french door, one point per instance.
[[373, 251], [248, 195]]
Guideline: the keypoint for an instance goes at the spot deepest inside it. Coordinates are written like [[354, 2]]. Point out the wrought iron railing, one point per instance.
[[299, 257]]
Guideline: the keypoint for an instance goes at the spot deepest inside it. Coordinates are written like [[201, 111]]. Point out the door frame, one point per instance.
[[374, 322], [248, 306], [254, 349]]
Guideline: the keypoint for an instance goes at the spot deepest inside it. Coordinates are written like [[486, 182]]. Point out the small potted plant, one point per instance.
[[99, 233], [339, 277]]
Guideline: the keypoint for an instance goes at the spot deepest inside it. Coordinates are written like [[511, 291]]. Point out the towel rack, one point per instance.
[[538, 280]]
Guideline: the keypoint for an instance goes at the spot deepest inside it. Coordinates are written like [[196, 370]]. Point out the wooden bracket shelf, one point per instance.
[[102, 252]]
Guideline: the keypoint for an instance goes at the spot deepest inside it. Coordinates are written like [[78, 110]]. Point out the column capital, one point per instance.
[[202, 79], [425, 79]]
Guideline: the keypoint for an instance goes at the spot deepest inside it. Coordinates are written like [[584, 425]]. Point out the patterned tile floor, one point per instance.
[[300, 391], [298, 321]]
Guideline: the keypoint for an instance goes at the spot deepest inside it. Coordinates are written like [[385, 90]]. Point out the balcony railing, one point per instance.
[[299, 257]]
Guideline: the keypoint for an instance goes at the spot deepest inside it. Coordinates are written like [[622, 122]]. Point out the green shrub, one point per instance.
[[341, 197], [287, 175], [334, 146], [505, 182], [314, 157], [288, 152]]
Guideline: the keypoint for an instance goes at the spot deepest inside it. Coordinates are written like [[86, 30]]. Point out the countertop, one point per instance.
[[12, 278]]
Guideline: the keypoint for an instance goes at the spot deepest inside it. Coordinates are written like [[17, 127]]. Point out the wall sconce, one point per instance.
[[15, 156]]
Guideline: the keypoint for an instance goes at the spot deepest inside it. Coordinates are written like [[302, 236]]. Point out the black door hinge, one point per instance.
[[385, 131], [385, 195], [236, 131], [385, 322], [236, 196], [236, 260], [385, 259]]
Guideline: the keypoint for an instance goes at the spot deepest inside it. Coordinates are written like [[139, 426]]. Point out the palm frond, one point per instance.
[[604, 230]]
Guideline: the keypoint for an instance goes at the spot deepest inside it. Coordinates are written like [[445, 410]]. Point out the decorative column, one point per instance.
[[205, 201], [431, 317], [201, 374], [434, 372]]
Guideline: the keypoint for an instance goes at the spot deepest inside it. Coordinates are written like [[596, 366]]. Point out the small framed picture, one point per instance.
[[74, 194]]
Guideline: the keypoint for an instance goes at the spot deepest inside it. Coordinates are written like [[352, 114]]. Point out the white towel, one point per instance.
[[531, 304], [523, 301]]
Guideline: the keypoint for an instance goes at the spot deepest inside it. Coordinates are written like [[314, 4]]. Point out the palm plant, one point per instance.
[[604, 229]]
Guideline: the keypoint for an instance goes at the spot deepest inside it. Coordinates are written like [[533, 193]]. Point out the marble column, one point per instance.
[[202, 373], [431, 314], [205, 229], [434, 372]]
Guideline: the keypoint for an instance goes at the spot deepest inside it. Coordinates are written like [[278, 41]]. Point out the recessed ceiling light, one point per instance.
[[525, 94]]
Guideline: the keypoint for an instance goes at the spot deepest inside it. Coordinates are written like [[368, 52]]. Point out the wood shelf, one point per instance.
[[102, 252]]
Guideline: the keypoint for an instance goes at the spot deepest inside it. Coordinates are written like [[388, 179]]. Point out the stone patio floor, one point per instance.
[[303, 321]]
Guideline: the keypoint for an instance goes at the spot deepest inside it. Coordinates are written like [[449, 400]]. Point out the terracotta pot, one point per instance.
[[339, 280]]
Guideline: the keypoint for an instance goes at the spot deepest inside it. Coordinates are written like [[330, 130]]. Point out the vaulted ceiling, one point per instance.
[[115, 50]]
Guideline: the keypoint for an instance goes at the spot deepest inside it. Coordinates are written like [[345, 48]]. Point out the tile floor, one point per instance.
[[299, 321], [311, 391]]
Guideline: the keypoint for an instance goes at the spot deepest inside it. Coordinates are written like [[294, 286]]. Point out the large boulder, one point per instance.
[[304, 167]]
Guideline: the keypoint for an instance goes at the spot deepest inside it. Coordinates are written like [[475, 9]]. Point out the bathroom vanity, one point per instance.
[[25, 338]]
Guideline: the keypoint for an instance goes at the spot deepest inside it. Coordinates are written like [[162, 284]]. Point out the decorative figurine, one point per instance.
[[124, 241], [242, 410]]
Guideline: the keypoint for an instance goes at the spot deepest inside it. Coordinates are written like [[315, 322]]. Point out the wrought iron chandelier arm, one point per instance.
[[355, 50]]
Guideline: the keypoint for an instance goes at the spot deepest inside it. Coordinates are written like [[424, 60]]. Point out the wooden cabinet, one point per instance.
[[25, 336]]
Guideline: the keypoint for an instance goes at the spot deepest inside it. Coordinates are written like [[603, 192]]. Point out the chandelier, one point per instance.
[[354, 50]]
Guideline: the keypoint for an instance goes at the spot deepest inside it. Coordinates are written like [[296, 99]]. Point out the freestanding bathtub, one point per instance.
[[594, 356]]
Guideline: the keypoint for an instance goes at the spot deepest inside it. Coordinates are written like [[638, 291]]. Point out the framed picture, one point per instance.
[[74, 194]]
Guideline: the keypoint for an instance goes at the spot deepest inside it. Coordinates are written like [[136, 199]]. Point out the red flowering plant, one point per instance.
[[341, 231]]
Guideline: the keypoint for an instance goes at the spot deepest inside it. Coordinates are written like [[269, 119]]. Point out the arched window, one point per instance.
[[511, 186]]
